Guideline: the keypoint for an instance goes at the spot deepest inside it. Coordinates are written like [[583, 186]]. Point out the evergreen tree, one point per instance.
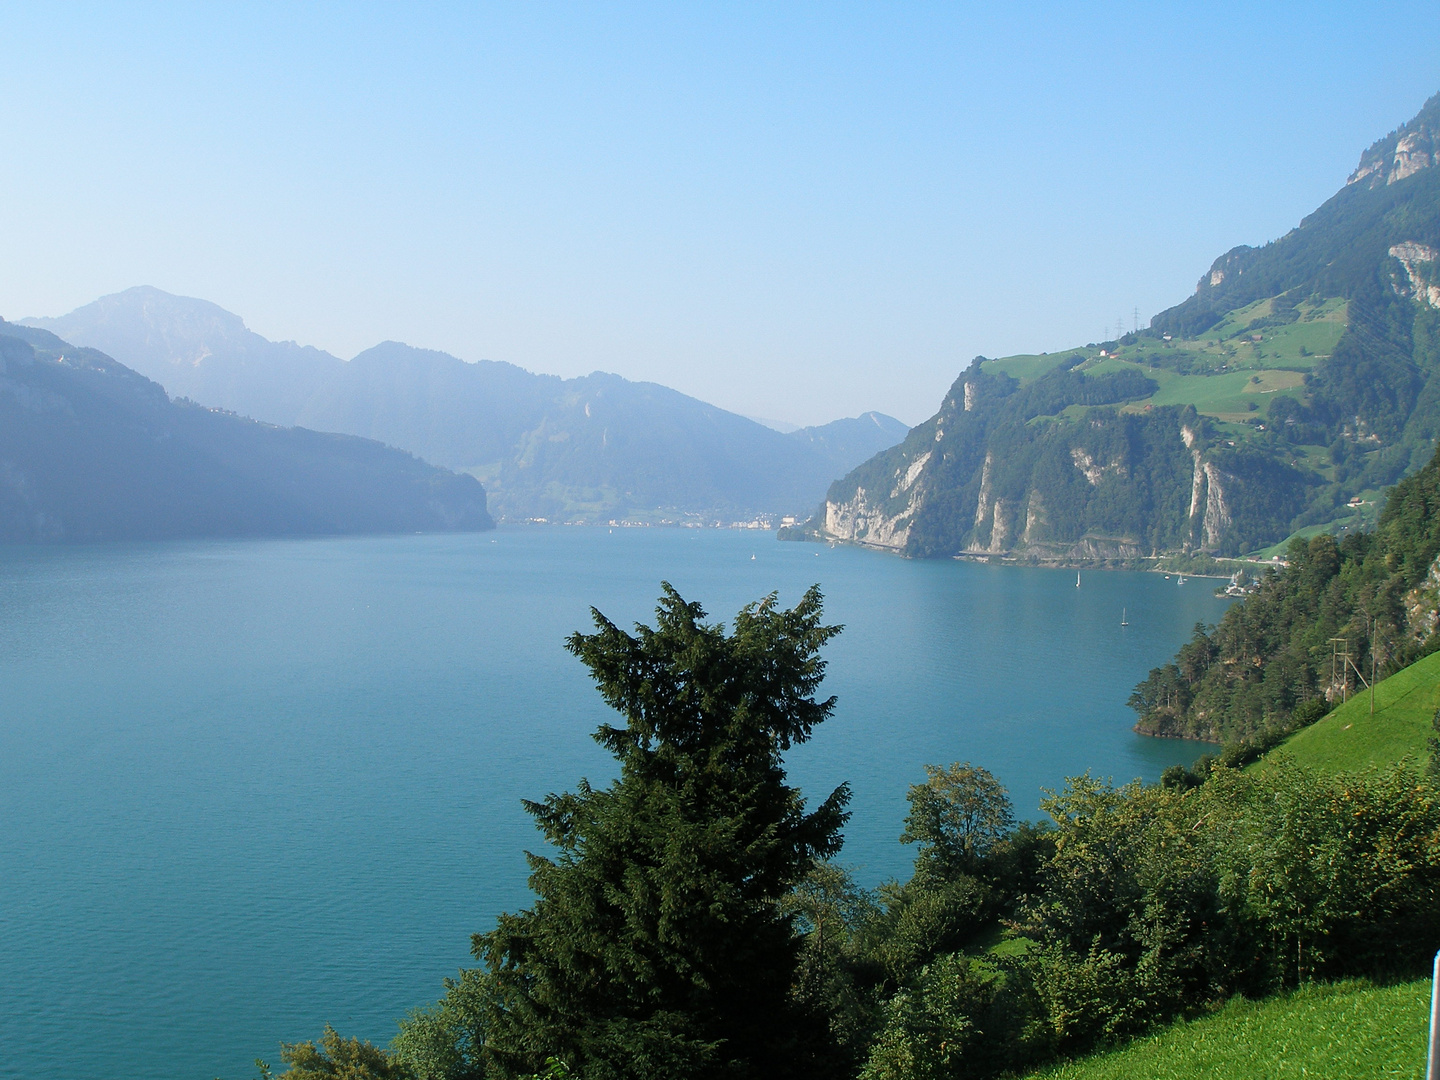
[[657, 945]]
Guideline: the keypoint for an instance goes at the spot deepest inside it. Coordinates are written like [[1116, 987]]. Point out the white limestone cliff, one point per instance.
[[1419, 261]]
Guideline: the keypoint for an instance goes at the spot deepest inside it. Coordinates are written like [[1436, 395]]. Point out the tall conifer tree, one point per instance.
[[656, 947]]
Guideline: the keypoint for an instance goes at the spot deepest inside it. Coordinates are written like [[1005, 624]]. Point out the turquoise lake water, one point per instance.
[[250, 788]]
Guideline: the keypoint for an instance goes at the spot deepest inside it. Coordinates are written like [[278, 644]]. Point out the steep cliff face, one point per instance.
[[864, 521], [1422, 272], [1001, 470], [1422, 606]]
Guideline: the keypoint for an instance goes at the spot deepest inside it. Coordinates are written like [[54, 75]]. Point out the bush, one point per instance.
[[958, 1019], [334, 1058]]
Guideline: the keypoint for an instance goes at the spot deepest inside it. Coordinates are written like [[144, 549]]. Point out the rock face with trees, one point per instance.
[[1273, 657], [1299, 379]]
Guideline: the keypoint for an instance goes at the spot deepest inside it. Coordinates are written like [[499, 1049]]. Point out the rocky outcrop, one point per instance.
[[1098, 548], [1422, 605], [999, 529], [1409, 154], [1035, 520], [1022, 475], [1092, 470], [1403, 152], [861, 521], [999, 505], [911, 475], [1209, 512], [982, 504], [1217, 511], [881, 499], [1419, 261]]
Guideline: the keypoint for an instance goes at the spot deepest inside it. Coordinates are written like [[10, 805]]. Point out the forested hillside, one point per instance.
[[1300, 379], [1379, 592], [90, 450]]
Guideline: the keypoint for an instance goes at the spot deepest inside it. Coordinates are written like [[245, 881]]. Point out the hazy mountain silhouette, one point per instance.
[[90, 450], [590, 448]]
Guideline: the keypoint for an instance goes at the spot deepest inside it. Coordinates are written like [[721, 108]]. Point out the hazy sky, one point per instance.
[[795, 211]]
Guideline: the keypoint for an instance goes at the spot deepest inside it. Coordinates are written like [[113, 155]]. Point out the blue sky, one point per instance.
[[793, 211]]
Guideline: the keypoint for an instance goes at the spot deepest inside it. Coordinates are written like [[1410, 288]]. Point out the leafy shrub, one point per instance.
[[1155, 901], [332, 1057], [959, 1018]]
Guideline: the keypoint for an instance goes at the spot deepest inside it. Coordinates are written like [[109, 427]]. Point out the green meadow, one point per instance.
[[1352, 738], [1231, 372], [1342, 1031]]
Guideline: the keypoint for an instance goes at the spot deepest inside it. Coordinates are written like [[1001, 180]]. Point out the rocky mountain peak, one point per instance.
[[140, 322], [1404, 152]]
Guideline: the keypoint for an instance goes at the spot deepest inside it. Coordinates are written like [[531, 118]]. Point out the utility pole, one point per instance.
[[1136, 316], [1374, 661], [1372, 667], [1340, 657]]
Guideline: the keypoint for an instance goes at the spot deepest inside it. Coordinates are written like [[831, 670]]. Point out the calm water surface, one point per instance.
[[247, 789]]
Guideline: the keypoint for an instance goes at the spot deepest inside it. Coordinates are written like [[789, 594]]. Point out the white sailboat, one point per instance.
[[1123, 620], [1077, 579]]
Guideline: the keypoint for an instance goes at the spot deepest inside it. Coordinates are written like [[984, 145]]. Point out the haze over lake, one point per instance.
[[249, 788]]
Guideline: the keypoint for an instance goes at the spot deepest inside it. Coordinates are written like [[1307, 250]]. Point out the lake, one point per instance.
[[249, 788]]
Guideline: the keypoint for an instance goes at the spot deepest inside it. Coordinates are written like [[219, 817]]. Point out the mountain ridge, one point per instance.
[[93, 451], [1299, 380], [593, 448]]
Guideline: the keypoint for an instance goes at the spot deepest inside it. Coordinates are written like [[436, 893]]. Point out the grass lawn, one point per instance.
[[1350, 738], [1342, 1031]]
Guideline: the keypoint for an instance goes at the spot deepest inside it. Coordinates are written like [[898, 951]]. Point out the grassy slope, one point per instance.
[[1227, 361], [1350, 738], [1363, 517], [1345, 1031]]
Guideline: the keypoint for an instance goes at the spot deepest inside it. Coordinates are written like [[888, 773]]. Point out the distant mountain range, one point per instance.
[[90, 450], [591, 449], [1301, 379]]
